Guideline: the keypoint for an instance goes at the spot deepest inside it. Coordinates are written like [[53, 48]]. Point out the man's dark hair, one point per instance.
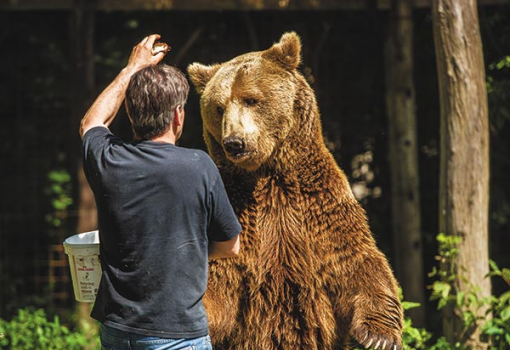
[[152, 95]]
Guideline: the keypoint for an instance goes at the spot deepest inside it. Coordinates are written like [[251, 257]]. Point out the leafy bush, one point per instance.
[[32, 330], [494, 324]]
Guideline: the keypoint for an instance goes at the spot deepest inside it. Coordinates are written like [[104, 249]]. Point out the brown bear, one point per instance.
[[309, 274]]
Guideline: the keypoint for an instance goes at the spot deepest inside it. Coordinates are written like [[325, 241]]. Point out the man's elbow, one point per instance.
[[80, 130], [83, 128], [235, 249], [221, 250]]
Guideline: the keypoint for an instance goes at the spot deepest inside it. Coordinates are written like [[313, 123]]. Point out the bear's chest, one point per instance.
[[276, 237]]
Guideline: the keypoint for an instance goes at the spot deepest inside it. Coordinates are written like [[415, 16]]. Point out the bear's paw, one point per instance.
[[371, 339]]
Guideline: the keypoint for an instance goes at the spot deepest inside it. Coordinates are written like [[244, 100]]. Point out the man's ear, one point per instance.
[[178, 116], [201, 74], [287, 52]]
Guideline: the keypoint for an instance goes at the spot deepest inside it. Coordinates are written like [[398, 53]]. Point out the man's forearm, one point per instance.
[[105, 107]]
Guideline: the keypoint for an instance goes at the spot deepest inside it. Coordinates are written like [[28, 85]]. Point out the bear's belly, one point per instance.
[[285, 305], [281, 314]]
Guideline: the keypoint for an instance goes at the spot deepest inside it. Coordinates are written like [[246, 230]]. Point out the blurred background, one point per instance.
[[57, 56]]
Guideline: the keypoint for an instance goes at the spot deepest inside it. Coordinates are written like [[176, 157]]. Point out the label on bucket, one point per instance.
[[88, 275]]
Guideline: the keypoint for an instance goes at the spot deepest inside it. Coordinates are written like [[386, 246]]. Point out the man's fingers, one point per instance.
[[151, 39], [142, 55], [144, 40]]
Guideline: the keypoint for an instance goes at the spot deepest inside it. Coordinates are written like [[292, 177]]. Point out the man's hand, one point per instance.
[[105, 107], [142, 56]]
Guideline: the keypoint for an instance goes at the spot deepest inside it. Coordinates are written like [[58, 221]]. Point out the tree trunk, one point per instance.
[[464, 160], [82, 54], [403, 157]]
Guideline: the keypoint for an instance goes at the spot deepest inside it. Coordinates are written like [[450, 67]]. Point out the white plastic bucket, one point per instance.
[[83, 254]]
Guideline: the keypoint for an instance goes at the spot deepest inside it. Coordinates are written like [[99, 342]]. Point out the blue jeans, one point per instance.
[[114, 339]]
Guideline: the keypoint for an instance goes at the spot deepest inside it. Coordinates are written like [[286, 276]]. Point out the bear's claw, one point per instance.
[[378, 342], [382, 345]]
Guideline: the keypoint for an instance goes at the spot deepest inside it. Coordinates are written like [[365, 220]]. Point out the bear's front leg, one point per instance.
[[369, 299], [377, 314]]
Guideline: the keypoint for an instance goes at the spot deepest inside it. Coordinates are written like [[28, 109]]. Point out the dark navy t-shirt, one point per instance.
[[158, 205]]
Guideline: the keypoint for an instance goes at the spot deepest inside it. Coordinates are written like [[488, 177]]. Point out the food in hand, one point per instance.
[[160, 47]]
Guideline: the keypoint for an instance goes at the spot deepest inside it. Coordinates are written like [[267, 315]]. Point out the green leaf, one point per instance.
[[443, 289], [406, 305], [433, 273], [460, 298], [57, 189], [504, 298], [505, 314], [494, 266], [473, 300], [58, 204], [506, 275], [441, 237], [59, 176]]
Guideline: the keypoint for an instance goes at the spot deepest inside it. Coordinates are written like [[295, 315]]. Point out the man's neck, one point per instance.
[[167, 137]]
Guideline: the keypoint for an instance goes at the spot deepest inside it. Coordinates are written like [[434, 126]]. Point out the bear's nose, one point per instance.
[[234, 145]]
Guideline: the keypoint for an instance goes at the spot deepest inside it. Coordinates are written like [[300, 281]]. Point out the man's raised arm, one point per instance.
[[105, 107]]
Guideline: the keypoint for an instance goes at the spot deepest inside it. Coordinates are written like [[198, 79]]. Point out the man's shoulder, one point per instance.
[[198, 162], [199, 156], [96, 131], [98, 137]]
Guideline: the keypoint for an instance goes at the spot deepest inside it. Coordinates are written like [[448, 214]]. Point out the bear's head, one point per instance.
[[250, 105]]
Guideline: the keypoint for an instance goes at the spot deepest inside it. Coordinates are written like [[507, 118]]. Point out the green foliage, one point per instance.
[[503, 63], [497, 328], [442, 287], [32, 330], [494, 323], [58, 191], [498, 89], [413, 338]]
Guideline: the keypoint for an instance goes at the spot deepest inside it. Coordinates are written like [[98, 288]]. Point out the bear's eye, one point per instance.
[[219, 110], [250, 101]]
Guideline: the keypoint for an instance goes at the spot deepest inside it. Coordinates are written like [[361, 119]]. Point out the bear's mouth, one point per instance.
[[247, 159], [238, 156]]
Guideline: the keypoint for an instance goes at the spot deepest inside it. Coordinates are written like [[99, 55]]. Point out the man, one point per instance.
[[162, 211]]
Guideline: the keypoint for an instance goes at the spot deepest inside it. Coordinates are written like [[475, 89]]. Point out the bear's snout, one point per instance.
[[234, 145]]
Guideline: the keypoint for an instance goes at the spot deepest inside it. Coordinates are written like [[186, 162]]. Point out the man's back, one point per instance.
[[157, 204]]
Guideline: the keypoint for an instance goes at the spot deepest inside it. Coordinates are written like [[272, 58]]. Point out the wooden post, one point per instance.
[[82, 56], [464, 158], [403, 157]]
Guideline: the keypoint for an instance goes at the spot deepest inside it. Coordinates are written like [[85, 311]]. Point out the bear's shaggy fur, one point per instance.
[[309, 274]]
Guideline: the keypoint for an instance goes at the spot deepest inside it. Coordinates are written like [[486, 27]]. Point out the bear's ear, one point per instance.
[[287, 52], [201, 74]]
